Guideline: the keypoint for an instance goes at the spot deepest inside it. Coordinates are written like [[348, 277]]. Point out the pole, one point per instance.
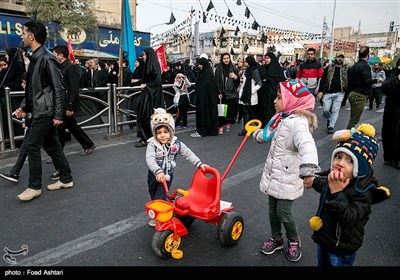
[[121, 45], [121, 56], [133, 14], [357, 43], [333, 33], [322, 41]]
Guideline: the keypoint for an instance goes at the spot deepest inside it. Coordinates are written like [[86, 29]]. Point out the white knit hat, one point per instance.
[[162, 118]]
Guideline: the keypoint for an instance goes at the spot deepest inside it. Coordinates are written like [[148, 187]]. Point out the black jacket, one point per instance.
[[344, 215], [44, 95], [360, 77], [70, 74]]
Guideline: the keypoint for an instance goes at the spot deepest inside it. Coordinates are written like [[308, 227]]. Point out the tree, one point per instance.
[[73, 15]]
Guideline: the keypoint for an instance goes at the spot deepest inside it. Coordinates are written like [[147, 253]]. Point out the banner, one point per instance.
[[160, 52]]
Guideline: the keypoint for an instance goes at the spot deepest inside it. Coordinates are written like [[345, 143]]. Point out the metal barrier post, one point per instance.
[[114, 97], [2, 140], [9, 118]]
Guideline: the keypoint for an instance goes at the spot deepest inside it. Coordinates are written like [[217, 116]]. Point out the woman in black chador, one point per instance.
[[151, 96], [206, 91], [271, 73]]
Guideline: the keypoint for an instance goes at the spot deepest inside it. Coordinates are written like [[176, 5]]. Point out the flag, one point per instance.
[[210, 6], [172, 19], [237, 30], [128, 39], [247, 12], [238, 2], [229, 13], [71, 51], [160, 52]]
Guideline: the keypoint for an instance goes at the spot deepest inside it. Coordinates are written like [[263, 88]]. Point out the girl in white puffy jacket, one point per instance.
[[292, 161]]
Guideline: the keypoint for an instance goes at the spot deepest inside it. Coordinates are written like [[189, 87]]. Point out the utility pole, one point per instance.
[[333, 33], [322, 41]]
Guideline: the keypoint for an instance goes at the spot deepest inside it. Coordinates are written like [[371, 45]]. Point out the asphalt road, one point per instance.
[[100, 224]]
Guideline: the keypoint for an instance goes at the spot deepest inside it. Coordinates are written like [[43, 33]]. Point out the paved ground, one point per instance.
[[101, 222]]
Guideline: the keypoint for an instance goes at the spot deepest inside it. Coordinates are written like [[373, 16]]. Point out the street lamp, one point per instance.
[[150, 27]]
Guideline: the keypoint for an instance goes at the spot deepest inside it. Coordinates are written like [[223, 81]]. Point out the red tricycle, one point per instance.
[[201, 201]]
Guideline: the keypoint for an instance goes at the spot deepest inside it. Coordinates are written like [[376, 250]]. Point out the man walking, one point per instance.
[[310, 72], [360, 82], [70, 75], [332, 88], [44, 95]]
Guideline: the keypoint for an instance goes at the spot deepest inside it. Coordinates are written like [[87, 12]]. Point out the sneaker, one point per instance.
[[141, 143], [187, 127], [228, 127], [58, 185], [195, 134], [294, 250], [330, 130], [55, 176], [178, 127], [10, 177], [152, 223], [29, 194], [271, 246], [88, 151], [221, 130]]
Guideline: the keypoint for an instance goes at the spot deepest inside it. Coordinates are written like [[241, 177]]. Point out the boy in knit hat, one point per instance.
[[347, 190], [161, 153]]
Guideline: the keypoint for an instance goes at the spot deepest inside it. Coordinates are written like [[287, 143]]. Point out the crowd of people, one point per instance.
[[283, 100]]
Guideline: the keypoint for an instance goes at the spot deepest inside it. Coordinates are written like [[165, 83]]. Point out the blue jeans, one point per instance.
[[331, 103], [328, 259]]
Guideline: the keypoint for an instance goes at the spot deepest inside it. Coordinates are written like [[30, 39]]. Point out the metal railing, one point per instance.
[[116, 111]]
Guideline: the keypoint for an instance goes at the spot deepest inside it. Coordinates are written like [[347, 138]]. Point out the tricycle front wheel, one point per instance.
[[163, 243]]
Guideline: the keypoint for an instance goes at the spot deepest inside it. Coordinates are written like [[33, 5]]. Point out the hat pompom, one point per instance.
[[341, 135], [367, 129], [316, 223]]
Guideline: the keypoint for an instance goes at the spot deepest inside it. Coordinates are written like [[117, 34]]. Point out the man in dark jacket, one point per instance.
[[360, 83], [70, 74], [44, 98]]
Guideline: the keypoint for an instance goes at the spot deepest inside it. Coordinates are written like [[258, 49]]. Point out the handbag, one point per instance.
[[222, 109]]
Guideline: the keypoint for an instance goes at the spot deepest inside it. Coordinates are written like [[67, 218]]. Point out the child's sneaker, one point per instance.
[[228, 127], [294, 250], [271, 246], [187, 127], [221, 130], [178, 127]]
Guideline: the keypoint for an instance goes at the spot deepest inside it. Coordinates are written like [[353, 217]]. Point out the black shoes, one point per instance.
[[141, 143], [243, 132], [55, 176], [88, 151], [10, 177]]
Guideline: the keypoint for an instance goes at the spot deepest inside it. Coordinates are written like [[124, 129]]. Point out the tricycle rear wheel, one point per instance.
[[230, 229], [163, 243]]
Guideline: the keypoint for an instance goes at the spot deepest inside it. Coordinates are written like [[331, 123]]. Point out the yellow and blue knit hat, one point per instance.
[[360, 145]]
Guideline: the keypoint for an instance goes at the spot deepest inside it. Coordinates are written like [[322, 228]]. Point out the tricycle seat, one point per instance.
[[203, 200]]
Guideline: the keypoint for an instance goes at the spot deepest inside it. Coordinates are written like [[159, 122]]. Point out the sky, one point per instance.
[[301, 16]]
